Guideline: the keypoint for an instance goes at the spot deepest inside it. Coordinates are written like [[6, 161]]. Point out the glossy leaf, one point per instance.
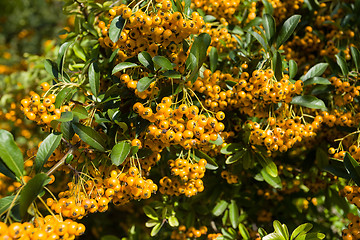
[[199, 51], [315, 71], [342, 64], [67, 130], [155, 229], [268, 8], [273, 181], [311, 236], [211, 163], [144, 83], [146, 60], [47, 147], [302, 229], [80, 112], [213, 56], [61, 55], [90, 136], [317, 80], [231, 148], [31, 190], [219, 208], [120, 152], [277, 65], [268, 164], [6, 171], [150, 212], [233, 213], [64, 95], [122, 66], [269, 27], [236, 157], [6, 202], [355, 54], [280, 230], [10, 153], [287, 29], [353, 167], [51, 68], [273, 236], [115, 29], [173, 221], [162, 62], [309, 102], [172, 74], [244, 232], [292, 69], [260, 39], [337, 168], [79, 51], [94, 78]]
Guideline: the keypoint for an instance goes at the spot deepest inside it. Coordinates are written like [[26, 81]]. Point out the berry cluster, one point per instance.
[[182, 233]]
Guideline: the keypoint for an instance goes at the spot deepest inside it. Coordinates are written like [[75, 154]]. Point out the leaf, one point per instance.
[[115, 29], [315, 71], [162, 62], [145, 59], [273, 181], [292, 69], [356, 57], [342, 64], [94, 78], [352, 167], [79, 51], [6, 171], [236, 157], [67, 130], [90, 136], [309, 102], [6, 202], [191, 62], [280, 230], [209, 18], [232, 148], [47, 147], [119, 152], [213, 56], [268, 164], [211, 163], [144, 83], [337, 168], [173, 221], [64, 95], [109, 237], [113, 55], [31, 190], [219, 208], [244, 232], [199, 50], [273, 236], [268, 7], [10, 153], [311, 236], [122, 66], [51, 68], [277, 65], [317, 80], [80, 112], [269, 27], [150, 212], [155, 229], [322, 157], [287, 29], [65, 117], [218, 141], [172, 74], [301, 229], [60, 58], [233, 213], [260, 39], [151, 223]]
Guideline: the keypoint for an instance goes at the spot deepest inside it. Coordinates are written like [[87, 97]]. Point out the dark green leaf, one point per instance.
[[337, 168], [277, 65], [116, 26], [356, 57], [211, 163], [260, 39], [6, 202], [64, 95], [65, 117], [94, 78], [10, 153], [67, 130], [51, 68], [144, 83], [309, 102], [172, 74], [150, 212], [120, 152], [146, 60], [79, 51], [232, 148], [269, 27], [6, 171], [322, 158], [236, 157], [342, 64], [199, 50], [244, 232], [113, 55], [287, 29], [90, 136], [233, 213], [31, 190], [302, 229], [317, 80], [315, 71], [191, 62], [273, 181], [352, 167], [61, 55], [219, 208], [122, 66], [292, 69], [162, 62], [80, 112], [213, 59], [268, 7], [47, 147]]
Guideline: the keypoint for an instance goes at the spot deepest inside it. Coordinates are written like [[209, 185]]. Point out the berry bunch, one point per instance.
[[191, 233]]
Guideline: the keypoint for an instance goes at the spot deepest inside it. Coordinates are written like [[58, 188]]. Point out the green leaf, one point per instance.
[[145, 59], [273, 236], [10, 153], [144, 83], [64, 95], [155, 229], [67, 130], [309, 102], [162, 62], [268, 164], [277, 65], [150, 212], [218, 141], [122, 66], [317, 80], [233, 213], [356, 57], [6, 171], [113, 55], [211, 163], [151, 223], [236, 157], [51, 68], [232, 148], [302, 229], [80, 112], [269, 27], [322, 157], [90, 136], [315, 71], [173, 221], [292, 69], [119, 152], [337, 168], [47, 147], [244, 232], [273, 181], [352, 167], [31, 190], [209, 18], [311, 236], [115, 29], [61, 55], [268, 7], [191, 62], [219, 208], [342, 64], [65, 117], [287, 29], [79, 51], [6, 202], [280, 230], [94, 78], [199, 50], [260, 39], [213, 56], [109, 237], [172, 74]]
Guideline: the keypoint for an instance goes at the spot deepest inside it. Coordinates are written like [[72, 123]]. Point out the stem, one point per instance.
[[61, 162]]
